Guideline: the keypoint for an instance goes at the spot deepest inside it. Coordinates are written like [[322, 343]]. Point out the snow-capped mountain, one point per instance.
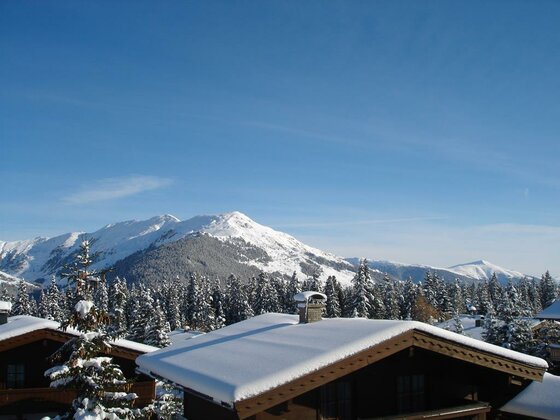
[[483, 270], [175, 247], [475, 271]]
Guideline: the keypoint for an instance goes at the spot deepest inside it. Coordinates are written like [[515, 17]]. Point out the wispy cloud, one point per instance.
[[113, 188], [360, 222]]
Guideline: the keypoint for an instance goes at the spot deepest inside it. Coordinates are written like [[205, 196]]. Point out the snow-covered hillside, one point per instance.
[[41, 257], [483, 270], [476, 271]]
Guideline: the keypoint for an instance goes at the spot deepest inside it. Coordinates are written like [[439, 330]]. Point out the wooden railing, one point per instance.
[[145, 391]]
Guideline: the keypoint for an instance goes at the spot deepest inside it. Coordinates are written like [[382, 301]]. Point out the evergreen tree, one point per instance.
[[237, 306], [548, 290], [118, 297], [22, 304], [101, 296], [332, 309], [293, 288], [410, 294], [157, 328], [143, 310], [361, 292], [4, 295], [84, 368], [218, 306], [266, 299], [458, 325], [174, 304]]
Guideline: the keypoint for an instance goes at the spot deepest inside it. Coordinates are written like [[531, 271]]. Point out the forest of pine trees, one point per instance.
[[147, 314]]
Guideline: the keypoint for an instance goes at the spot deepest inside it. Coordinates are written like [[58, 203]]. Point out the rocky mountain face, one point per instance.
[[164, 246]]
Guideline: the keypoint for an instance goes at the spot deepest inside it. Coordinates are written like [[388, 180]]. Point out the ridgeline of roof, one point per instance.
[[253, 356], [23, 324], [552, 312], [539, 399]]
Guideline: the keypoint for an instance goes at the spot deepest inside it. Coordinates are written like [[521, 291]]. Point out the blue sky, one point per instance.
[[414, 131]]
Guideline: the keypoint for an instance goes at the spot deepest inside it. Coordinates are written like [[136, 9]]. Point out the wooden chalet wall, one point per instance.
[[32, 350], [457, 382]]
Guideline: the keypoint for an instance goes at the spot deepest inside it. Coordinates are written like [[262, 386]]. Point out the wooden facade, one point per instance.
[[414, 375], [24, 359]]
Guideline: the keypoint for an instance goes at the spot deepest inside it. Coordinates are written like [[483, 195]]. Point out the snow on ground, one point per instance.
[[539, 399], [253, 356]]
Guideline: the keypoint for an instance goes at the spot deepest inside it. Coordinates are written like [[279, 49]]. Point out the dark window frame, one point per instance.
[[15, 375]]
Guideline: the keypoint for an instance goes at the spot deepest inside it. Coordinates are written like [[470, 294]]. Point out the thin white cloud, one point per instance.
[[113, 188], [359, 222]]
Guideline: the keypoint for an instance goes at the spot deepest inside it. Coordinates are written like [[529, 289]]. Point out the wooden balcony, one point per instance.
[[52, 397]]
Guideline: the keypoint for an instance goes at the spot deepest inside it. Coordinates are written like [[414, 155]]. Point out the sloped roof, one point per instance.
[[24, 324], [251, 357], [552, 312], [539, 399]]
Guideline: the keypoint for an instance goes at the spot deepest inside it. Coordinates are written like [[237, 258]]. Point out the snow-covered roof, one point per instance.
[[552, 312], [23, 324], [305, 296], [5, 306], [539, 399], [253, 356], [469, 326]]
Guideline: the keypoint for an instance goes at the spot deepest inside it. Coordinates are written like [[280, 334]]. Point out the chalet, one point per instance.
[[278, 366], [550, 317], [26, 342]]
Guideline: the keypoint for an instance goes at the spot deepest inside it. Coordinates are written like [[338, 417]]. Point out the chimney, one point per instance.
[[5, 308], [310, 306]]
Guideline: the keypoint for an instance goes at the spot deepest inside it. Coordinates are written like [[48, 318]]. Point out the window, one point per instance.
[[410, 393], [15, 375], [336, 400]]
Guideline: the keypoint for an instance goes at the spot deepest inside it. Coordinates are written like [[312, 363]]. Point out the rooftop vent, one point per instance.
[[310, 306], [5, 308]]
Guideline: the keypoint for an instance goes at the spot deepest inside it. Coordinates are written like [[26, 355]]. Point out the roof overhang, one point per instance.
[[413, 338], [61, 337]]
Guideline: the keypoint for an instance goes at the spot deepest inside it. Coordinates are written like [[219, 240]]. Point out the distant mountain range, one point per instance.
[[165, 247], [475, 271]]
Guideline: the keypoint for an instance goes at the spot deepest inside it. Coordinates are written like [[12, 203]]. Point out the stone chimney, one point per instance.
[[5, 308], [310, 306]]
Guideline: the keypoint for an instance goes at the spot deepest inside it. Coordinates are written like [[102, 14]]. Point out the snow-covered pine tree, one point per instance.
[[361, 292], [4, 295], [313, 283], [549, 290], [157, 328], [266, 299], [174, 295], [457, 324], [56, 301], [391, 299], [332, 309], [101, 296], [410, 293], [99, 383], [495, 291], [22, 304], [293, 288], [143, 311], [218, 306], [118, 297], [519, 336], [237, 306]]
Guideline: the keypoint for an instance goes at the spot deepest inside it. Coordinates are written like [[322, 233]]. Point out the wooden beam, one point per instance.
[[477, 356], [61, 337]]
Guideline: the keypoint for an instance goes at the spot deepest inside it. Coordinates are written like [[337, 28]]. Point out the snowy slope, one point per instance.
[[476, 271], [483, 270], [39, 258]]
